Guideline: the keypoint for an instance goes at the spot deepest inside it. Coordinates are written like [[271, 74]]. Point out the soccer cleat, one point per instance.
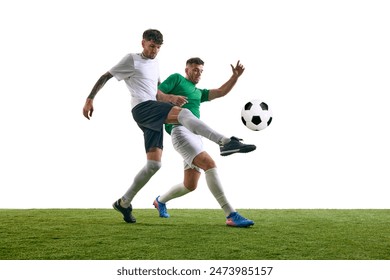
[[161, 207], [235, 146], [126, 212], [236, 220]]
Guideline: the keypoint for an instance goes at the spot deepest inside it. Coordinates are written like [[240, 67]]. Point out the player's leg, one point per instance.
[[205, 162], [233, 218], [192, 123], [153, 164], [153, 137], [190, 182], [228, 146], [188, 145]]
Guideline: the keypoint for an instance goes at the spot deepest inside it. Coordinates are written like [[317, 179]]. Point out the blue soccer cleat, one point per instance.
[[161, 207], [236, 220]]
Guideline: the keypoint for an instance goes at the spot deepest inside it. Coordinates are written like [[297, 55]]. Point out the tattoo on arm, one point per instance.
[[99, 84]]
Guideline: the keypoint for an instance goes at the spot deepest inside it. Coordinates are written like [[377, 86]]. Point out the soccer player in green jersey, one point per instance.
[[190, 145]]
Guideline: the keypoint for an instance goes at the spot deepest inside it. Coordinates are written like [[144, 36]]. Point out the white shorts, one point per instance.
[[187, 144]]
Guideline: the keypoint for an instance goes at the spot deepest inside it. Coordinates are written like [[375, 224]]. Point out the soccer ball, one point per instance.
[[256, 115]]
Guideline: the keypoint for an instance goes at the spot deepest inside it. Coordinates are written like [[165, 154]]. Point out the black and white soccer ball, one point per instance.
[[256, 115]]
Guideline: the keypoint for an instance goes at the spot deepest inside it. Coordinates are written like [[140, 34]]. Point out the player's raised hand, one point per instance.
[[238, 70], [88, 108]]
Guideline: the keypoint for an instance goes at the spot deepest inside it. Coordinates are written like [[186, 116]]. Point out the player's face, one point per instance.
[[194, 72], [151, 49]]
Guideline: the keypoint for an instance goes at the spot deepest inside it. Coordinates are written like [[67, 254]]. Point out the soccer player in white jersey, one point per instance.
[[140, 72], [190, 146]]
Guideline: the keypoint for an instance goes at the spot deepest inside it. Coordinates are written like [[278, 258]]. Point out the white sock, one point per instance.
[[215, 187], [140, 180], [195, 125], [176, 191]]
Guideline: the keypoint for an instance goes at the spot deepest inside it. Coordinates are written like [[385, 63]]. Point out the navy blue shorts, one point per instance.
[[150, 117]]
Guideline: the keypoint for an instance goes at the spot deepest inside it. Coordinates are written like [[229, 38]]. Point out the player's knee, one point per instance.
[[204, 161], [153, 166], [191, 187], [210, 164]]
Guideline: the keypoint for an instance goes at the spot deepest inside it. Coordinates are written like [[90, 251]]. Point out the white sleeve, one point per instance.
[[124, 68]]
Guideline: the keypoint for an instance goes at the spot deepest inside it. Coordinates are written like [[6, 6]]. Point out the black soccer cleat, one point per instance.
[[126, 212], [235, 146]]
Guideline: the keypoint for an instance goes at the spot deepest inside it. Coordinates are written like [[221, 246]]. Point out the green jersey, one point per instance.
[[178, 85]]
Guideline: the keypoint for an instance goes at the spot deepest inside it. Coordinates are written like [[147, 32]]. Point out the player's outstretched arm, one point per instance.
[[88, 106], [227, 87]]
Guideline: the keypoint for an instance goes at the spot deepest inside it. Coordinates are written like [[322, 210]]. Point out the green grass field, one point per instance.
[[192, 234]]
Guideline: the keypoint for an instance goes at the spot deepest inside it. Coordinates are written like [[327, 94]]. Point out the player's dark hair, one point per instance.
[[153, 35], [195, 60]]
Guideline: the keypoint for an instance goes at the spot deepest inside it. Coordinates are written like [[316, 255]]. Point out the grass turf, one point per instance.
[[193, 234]]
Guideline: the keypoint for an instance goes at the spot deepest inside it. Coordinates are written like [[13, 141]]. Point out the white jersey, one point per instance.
[[141, 76]]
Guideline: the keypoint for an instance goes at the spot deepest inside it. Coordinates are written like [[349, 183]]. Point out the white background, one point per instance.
[[322, 66]]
